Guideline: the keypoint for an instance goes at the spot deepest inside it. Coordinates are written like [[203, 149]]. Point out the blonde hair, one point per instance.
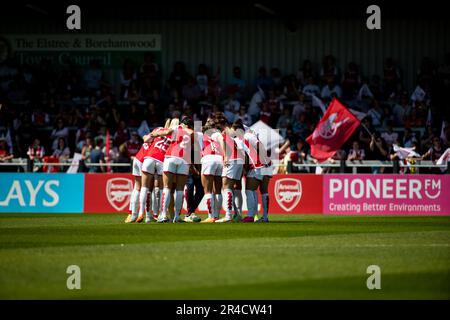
[[123, 148], [167, 124], [174, 122]]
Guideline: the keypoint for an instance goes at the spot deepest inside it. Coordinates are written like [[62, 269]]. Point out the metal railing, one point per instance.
[[342, 165], [27, 165]]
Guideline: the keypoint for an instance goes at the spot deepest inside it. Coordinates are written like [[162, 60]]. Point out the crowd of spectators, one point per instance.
[[50, 112]]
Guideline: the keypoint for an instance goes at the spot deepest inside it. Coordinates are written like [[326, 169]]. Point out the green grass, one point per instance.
[[293, 257]]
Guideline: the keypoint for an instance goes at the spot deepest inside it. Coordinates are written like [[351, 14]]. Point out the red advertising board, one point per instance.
[[295, 193], [386, 194], [307, 193], [106, 193]]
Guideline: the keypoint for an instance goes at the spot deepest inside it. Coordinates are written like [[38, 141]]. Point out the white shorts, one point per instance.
[[176, 166], [255, 174], [267, 171], [137, 167], [152, 166], [233, 170], [212, 168]]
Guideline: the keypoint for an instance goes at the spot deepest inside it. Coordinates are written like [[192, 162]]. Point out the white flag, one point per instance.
[[418, 94], [404, 153], [358, 114], [364, 92], [444, 158], [75, 162]]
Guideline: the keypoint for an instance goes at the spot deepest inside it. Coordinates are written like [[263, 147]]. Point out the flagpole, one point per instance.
[[367, 129]]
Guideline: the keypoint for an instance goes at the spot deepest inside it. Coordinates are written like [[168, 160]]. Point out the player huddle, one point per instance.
[[221, 153]]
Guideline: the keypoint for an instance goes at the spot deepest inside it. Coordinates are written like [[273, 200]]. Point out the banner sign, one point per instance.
[[42, 192], [107, 193], [85, 42], [334, 194], [386, 194], [295, 193], [109, 49]]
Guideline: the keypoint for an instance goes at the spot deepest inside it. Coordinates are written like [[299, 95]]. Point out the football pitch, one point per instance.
[[292, 257]]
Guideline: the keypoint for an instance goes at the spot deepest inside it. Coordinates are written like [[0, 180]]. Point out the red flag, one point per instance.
[[108, 146], [336, 126]]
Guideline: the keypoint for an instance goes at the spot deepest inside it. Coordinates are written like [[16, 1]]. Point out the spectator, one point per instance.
[[5, 156], [191, 91], [237, 85], [39, 117], [299, 106], [36, 151], [365, 133], [297, 155], [133, 94], [126, 76], [133, 117], [401, 111], [331, 90], [97, 157], [62, 152], [151, 120], [329, 72], [305, 73], [389, 135], [356, 153], [113, 117], [262, 80], [93, 77], [133, 145], [122, 134], [275, 76], [300, 126], [87, 148], [254, 107], [149, 65], [375, 86], [427, 138], [311, 88], [101, 134], [202, 79], [122, 158], [376, 113], [243, 116], [285, 120], [378, 150], [86, 153], [435, 151], [265, 113], [60, 131], [408, 138], [351, 82]]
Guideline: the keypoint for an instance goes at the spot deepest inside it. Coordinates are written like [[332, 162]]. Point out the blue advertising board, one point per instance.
[[41, 192]]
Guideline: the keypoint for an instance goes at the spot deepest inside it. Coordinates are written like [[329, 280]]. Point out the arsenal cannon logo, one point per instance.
[[118, 191], [288, 192]]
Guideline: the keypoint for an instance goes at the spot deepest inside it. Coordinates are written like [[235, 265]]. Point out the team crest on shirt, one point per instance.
[[118, 192], [288, 192]]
